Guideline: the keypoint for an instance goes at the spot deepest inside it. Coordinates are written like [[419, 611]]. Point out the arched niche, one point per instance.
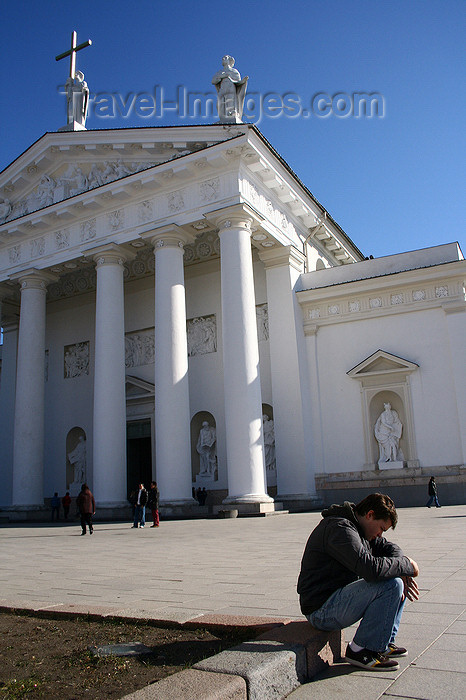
[[76, 460], [385, 378], [320, 265], [196, 425]]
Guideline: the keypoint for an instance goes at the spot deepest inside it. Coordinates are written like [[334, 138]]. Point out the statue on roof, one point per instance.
[[231, 91], [77, 99]]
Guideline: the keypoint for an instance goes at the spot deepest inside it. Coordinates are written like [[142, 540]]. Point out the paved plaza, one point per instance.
[[245, 567]]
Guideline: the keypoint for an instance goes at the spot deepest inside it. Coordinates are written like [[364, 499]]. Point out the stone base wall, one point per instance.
[[407, 487]]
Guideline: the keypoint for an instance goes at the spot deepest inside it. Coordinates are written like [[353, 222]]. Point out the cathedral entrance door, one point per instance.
[[138, 455]]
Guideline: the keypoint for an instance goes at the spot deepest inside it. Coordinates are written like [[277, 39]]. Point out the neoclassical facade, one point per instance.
[[161, 281]]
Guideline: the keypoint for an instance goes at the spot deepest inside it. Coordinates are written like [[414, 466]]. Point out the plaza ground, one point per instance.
[[214, 569]]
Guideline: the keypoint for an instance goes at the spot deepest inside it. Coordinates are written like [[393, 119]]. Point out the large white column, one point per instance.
[[290, 386], [109, 430], [28, 450], [9, 324], [243, 404], [172, 415]]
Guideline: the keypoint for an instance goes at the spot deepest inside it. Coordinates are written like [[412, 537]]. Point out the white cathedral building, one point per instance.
[[177, 306]]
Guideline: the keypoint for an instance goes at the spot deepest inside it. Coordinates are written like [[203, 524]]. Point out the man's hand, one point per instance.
[[415, 567], [411, 590]]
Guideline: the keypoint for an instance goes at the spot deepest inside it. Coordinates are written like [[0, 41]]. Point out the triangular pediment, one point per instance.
[[137, 389], [65, 164], [382, 362]]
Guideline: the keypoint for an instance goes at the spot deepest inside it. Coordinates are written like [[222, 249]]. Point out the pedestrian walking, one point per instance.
[[433, 497], [140, 507], [66, 502], [55, 503], [86, 506], [153, 503]]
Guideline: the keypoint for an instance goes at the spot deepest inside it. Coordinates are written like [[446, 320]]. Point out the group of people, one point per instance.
[[85, 505], [140, 499], [200, 495], [56, 502]]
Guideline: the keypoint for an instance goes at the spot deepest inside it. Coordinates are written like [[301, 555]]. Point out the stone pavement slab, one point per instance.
[[422, 684]]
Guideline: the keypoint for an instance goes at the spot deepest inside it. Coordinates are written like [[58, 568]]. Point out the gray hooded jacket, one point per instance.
[[337, 554]]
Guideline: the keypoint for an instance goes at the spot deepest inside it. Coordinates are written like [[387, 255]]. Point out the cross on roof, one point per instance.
[[72, 52]]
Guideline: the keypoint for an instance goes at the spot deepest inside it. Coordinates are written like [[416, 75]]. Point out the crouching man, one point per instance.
[[349, 572]]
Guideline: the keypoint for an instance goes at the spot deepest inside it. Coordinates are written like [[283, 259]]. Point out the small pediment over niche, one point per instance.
[[381, 362], [137, 389]]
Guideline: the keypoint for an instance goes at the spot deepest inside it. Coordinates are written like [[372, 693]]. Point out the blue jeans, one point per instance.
[[379, 604], [431, 500], [139, 515]]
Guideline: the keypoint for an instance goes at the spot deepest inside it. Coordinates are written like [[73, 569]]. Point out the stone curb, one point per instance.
[[271, 669], [190, 684]]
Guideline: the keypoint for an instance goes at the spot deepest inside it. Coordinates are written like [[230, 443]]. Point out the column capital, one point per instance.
[[171, 236], [109, 254], [238, 216], [34, 279], [286, 255]]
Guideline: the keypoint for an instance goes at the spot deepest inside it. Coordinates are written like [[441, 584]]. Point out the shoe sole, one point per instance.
[[396, 656], [377, 667]]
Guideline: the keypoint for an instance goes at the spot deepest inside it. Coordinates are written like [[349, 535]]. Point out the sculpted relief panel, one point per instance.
[[140, 348], [76, 360], [73, 181], [202, 335]]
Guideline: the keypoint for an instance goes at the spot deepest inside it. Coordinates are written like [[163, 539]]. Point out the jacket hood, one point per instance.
[[341, 511]]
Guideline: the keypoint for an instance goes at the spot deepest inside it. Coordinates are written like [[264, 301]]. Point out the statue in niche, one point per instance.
[[77, 99], [388, 429], [78, 459], [206, 445], [231, 91], [262, 316], [269, 442]]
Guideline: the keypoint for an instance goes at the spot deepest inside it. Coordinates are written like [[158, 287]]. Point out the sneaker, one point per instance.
[[393, 650], [370, 660], [141, 525]]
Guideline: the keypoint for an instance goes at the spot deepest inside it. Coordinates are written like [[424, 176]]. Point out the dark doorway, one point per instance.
[[138, 455]]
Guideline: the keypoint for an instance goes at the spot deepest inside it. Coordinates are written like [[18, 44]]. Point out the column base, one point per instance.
[[254, 508], [300, 502], [248, 498]]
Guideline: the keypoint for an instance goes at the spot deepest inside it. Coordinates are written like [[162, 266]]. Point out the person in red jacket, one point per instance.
[[86, 505], [66, 502]]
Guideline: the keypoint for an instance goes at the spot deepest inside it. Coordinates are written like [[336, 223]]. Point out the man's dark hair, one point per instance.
[[381, 504]]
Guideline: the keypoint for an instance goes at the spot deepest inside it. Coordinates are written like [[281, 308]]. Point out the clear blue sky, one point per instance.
[[393, 183]]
